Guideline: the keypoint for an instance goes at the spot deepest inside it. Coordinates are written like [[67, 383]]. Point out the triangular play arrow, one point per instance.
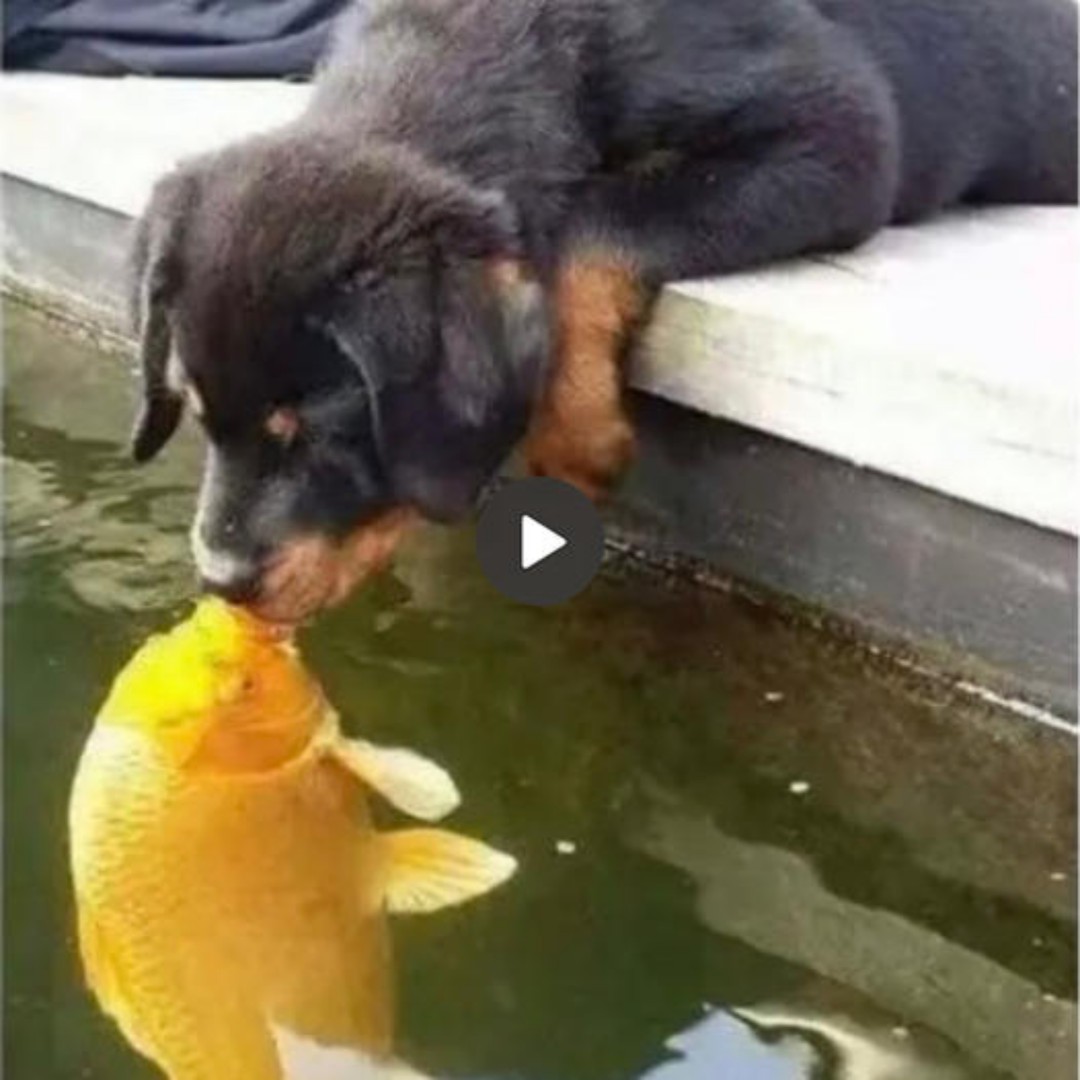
[[538, 542]]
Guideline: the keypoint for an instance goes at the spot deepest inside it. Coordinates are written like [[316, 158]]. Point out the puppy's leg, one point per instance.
[[581, 433], [831, 187]]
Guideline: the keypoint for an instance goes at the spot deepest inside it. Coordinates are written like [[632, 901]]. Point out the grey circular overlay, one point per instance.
[[539, 541]]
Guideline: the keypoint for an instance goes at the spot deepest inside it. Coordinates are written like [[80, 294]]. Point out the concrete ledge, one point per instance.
[[898, 423], [943, 354], [68, 133]]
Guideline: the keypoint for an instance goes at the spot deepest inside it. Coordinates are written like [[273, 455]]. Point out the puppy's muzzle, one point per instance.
[[305, 574], [226, 574]]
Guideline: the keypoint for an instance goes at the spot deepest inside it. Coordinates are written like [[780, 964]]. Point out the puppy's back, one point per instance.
[[986, 91]]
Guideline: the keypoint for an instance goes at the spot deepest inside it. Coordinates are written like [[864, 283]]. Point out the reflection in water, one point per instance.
[[724, 1038], [932, 861], [118, 563], [851, 1053], [771, 897]]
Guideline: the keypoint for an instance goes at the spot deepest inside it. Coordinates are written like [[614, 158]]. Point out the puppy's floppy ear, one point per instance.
[[493, 317], [155, 279], [495, 337], [384, 332], [483, 230]]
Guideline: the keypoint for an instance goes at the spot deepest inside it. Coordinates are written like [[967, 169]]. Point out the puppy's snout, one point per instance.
[[239, 586], [234, 577]]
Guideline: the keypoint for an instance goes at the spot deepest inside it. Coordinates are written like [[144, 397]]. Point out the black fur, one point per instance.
[[340, 264]]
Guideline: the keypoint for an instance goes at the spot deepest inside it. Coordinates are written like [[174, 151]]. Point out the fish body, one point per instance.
[[228, 880]]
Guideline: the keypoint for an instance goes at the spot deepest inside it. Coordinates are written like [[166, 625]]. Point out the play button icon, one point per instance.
[[539, 541]]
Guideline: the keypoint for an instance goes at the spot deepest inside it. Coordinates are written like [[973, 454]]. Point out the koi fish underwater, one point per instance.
[[231, 890]]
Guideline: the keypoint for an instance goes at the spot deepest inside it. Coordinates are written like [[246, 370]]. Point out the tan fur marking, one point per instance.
[[581, 433], [283, 424], [312, 573], [506, 273]]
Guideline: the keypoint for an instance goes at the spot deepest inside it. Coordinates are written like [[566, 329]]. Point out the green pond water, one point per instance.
[[747, 851]]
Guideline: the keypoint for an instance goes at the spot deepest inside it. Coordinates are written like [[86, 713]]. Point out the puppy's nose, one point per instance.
[[228, 574], [239, 585]]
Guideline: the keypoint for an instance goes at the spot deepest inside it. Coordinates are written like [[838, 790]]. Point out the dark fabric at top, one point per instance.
[[213, 38]]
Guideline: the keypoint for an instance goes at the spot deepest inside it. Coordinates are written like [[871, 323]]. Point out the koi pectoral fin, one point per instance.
[[412, 783], [428, 869]]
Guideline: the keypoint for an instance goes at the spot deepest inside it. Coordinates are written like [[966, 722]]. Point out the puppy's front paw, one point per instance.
[[589, 452]]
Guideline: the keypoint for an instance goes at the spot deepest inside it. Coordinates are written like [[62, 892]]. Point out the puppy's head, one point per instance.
[[355, 332]]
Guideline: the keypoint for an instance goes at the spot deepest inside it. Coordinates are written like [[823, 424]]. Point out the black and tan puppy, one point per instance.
[[451, 249]]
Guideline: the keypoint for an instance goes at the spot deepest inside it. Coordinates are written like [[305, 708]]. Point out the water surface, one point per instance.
[[747, 852]]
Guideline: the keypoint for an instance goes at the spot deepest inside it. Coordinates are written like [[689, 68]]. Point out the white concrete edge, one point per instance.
[[1012, 453]]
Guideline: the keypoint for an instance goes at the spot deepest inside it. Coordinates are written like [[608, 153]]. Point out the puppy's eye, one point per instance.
[[283, 425]]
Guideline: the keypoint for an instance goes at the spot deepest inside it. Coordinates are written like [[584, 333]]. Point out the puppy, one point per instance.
[[450, 252]]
